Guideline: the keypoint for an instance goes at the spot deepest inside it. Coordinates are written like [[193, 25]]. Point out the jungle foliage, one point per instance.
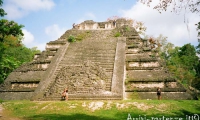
[[182, 62], [12, 52]]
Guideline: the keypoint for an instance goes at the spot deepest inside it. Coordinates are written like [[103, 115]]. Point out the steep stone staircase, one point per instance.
[[99, 49]]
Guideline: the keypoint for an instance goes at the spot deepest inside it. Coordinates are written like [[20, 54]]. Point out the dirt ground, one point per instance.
[[4, 115]]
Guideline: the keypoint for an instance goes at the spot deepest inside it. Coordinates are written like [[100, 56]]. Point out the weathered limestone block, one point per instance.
[[147, 85], [149, 75], [22, 81], [36, 56], [25, 76], [48, 46], [140, 58], [23, 85], [144, 64], [133, 50]]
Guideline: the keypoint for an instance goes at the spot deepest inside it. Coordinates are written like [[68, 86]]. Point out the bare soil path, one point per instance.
[[4, 115]]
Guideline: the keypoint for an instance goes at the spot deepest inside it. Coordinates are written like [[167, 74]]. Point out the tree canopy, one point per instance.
[[9, 28], [12, 52], [2, 12]]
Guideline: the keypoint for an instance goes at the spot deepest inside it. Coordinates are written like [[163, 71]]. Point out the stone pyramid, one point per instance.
[[99, 65]]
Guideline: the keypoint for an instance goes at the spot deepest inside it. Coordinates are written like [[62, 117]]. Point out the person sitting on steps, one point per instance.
[[65, 94]]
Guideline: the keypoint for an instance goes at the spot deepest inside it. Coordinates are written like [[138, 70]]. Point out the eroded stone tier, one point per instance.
[[145, 72]]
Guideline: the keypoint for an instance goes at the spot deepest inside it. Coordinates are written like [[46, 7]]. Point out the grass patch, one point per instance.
[[1, 101], [82, 36], [118, 34], [101, 110], [127, 28]]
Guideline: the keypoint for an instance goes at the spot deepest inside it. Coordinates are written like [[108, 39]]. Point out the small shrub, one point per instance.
[[80, 37], [71, 39], [117, 34], [87, 32]]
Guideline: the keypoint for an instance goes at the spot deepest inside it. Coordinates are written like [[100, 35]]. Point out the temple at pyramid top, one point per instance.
[[111, 24]]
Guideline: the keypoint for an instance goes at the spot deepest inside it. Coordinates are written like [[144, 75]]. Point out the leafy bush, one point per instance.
[[117, 34], [71, 39]]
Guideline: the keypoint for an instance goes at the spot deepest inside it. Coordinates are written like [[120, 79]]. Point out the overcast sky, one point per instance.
[[47, 20]]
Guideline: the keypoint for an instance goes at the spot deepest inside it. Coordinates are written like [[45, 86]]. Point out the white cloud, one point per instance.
[[54, 31], [29, 41], [167, 23], [19, 8], [40, 46], [28, 37]]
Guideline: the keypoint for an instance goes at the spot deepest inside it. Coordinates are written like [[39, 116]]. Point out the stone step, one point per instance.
[[148, 75], [94, 44], [94, 54], [94, 57], [153, 95], [181, 89], [86, 97], [104, 51], [109, 69], [133, 52], [92, 49], [135, 58], [52, 49], [143, 68], [75, 57], [107, 66], [100, 62]]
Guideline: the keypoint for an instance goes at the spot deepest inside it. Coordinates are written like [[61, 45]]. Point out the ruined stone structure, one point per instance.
[[99, 65]]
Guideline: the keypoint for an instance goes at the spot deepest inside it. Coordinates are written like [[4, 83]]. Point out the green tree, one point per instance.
[[182, 62], [9, 28], [12, 52], [2, 12], [13, 57]]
